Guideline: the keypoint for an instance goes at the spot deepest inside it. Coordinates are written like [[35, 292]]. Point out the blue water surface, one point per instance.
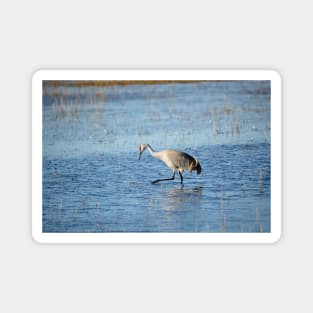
[[94, 182]]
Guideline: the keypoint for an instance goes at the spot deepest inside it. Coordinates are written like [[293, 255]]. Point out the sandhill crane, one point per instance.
[[176, 160]]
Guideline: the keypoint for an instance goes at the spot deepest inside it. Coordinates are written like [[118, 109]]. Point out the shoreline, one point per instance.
[[104, 83]]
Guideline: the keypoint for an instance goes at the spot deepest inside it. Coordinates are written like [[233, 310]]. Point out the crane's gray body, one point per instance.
[[178, 161]]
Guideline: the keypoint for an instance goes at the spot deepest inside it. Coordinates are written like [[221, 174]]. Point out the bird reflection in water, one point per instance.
[[182, 199]]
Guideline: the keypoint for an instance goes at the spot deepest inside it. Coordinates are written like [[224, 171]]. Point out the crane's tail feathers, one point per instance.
[[197, 167]]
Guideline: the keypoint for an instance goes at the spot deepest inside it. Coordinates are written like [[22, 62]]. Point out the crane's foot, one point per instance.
[[158, 180]]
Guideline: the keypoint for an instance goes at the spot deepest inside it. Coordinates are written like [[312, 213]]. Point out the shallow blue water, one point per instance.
[[94, 182]]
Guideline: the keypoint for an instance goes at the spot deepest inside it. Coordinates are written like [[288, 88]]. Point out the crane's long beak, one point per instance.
[[140, 153]]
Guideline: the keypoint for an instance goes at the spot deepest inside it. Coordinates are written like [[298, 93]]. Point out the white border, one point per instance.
[[271, 237]]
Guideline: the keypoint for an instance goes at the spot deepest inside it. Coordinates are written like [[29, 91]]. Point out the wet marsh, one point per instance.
[[94, 182]]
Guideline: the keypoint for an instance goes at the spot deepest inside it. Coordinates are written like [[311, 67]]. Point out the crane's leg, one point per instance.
[[181, 178], [156, 181]]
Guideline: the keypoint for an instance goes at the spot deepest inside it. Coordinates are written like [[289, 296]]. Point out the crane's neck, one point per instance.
[[150, 149], [155, 154], [152, 152]]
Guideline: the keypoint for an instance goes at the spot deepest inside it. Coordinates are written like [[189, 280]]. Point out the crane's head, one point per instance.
[[142, 148]]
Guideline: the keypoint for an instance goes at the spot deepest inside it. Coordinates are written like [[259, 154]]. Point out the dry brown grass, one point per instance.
[[100, 83]]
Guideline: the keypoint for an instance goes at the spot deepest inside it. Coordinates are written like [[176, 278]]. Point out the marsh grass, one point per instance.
[[226, 122], [258, 223]]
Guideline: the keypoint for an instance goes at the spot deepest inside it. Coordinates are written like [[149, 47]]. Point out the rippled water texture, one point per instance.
[[94, 182]]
